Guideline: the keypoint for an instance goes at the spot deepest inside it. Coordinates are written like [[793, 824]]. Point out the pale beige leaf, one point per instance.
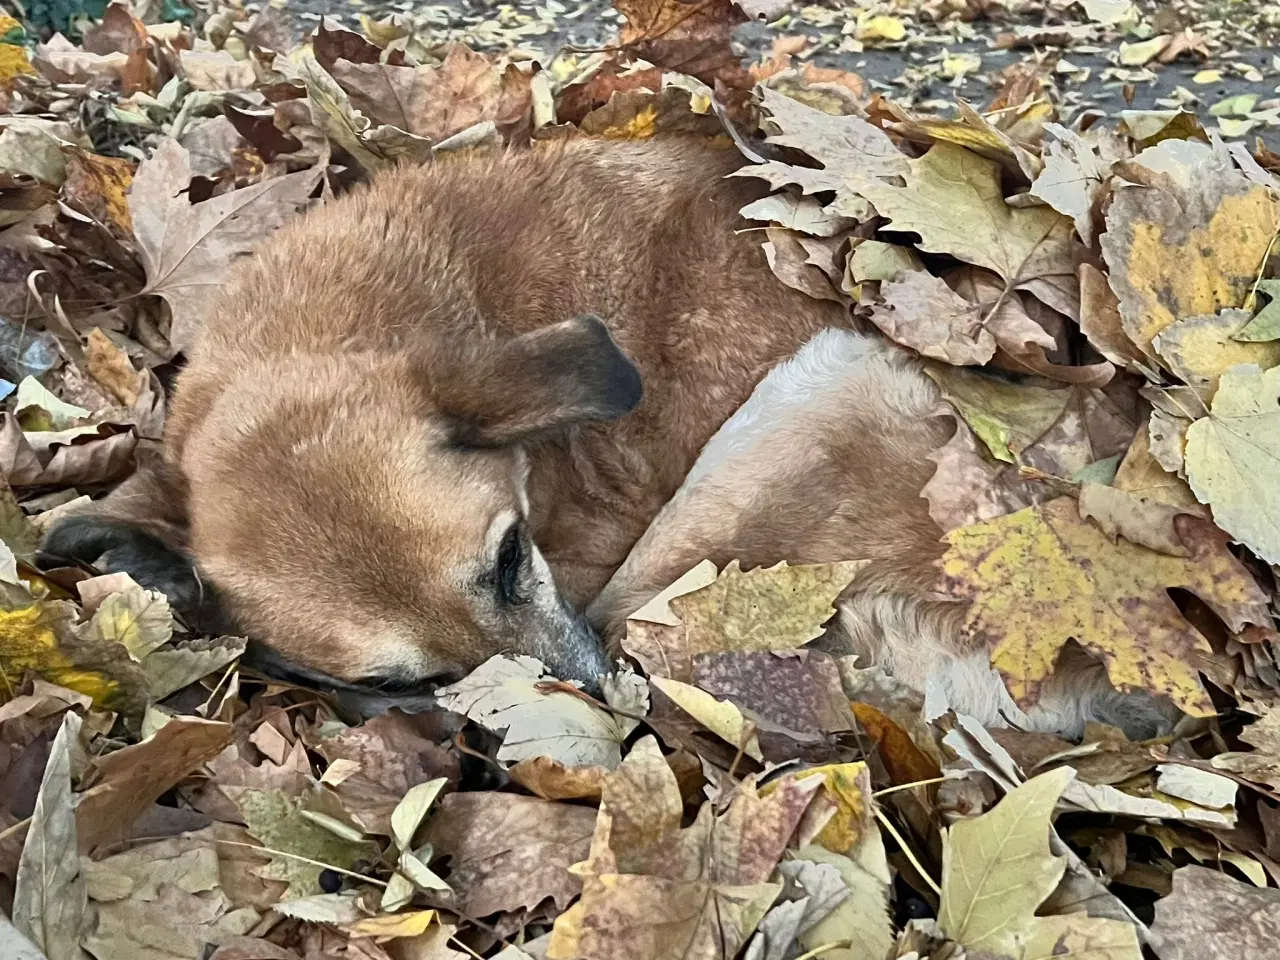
[[501, 694], [997, 868], [186, 247], [49, 895], [1233, 458], [921, 312]]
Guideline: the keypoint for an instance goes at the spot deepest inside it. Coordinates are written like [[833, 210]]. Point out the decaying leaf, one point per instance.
[[653, 890], [1210, 916], [299, 849], [390, 755], [920, 311], [1185, 238], [509, 852], [778, 608], [1042, 576]]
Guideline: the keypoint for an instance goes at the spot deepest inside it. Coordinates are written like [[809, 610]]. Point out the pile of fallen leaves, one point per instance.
[[1100, 307]]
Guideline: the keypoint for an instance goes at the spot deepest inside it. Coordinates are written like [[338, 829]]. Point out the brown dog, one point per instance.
[[400, 445]]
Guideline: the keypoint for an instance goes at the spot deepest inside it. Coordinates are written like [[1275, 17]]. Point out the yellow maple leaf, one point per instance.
[[774, 608], [1042, 576]]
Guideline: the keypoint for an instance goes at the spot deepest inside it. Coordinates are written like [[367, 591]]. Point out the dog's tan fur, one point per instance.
[[307, 435]]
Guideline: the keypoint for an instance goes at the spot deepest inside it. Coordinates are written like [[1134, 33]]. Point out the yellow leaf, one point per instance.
[[997, 868], [1042, 576], [881, 28], [847, 787], [1207, 76], [1233, 458], [138, 619], [954, 200], [1136, 54], [773, 608], [1190, 242], [719, 716], [1200, 349], [39, 637], [412, 924]]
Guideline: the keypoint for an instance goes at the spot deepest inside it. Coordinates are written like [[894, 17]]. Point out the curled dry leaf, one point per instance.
[[921, 312], [437, 102], [1040, 577], [123, 784], [49, 895], [853, 154]]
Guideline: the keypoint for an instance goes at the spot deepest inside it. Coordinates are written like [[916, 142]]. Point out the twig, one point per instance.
[[906, 786], [748, 732], [825, 948], [906, 851], [18, 827]]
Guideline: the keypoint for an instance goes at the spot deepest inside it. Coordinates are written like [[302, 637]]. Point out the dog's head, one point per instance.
[[366, 517]]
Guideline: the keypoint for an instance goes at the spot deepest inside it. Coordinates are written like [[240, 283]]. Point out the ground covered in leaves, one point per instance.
[[735, 793]]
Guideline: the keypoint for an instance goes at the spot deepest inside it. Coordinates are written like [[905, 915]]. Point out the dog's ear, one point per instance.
[[493, 393], [139, 529]]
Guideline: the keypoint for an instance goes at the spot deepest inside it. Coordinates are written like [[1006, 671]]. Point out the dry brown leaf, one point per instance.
[[921, 312], [393, 755], [437, 102], [654, 890], [1210, 916], [509, 852], [186, 247], [691, 38], [125, 783]]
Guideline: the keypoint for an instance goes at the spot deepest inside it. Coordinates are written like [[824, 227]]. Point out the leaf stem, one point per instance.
[[906, 851], [294, 856], [906, 786]]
